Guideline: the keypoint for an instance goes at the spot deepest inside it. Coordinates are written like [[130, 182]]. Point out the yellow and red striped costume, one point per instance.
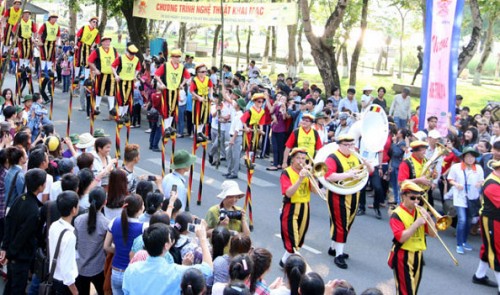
[[490, 222]]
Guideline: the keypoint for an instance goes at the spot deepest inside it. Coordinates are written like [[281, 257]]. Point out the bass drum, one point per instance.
[[321, 156], [374, 128]]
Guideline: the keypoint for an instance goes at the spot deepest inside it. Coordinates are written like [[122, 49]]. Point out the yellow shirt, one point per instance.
[[127, 72], [201, 86], [417, 241], [14, 16], [26, 29], [88, 35], [255, 116], [303, 193], [174, 76], [52, 30], [307, 140], [417, 166], [106, 59]]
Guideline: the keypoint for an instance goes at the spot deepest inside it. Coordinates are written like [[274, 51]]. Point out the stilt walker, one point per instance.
[[253, 120], [49, 34], [100, 61], [10, 18], [85, 38], [27, 33], [202, 90], [125, 69], [171, 76]]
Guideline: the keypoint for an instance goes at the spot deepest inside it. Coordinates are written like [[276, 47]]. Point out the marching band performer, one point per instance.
[[489, 254], [171, 76], [100, 61], [202, 89], [27, 34], [409, 224], [305, 137], [342, 164], [50, 35], [412, 167], [9, 20], [85, 38], [296, 190]]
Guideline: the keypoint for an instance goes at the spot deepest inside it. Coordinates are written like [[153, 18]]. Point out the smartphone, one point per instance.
[[174, 187], [191, 228], [151, 178], [197, 221]]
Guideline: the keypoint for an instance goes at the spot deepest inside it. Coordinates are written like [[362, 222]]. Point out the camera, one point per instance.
[[151, 178], [223, 213]]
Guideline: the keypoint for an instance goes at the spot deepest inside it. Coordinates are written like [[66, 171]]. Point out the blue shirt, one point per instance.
[[179, 180], [351, 105], [157, 276], [122, 250], [18, 188]]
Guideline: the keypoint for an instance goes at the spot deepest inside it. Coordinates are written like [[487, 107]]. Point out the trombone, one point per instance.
[[318, 170], [442, 223]]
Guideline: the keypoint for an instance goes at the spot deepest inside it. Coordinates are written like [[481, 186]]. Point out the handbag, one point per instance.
[[46, 286], [42, 261]]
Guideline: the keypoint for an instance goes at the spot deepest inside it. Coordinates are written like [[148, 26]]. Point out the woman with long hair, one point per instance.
[[295, 267], [240, 269], [117, 191], [90, 231], [220, 240], [261, 259], [9, 99], [193, 282], [152, 205], [120, 237], [240, 244], [470, 137]]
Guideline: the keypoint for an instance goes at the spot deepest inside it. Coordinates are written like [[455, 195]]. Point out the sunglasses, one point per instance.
[[259, 101], [413, 198], [176, 56], [202, 71], [94, 21]]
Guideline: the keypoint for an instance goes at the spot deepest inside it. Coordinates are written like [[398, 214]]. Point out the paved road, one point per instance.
[[368, 243]]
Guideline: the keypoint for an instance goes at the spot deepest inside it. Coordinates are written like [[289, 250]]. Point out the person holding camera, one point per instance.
[[226, 213]]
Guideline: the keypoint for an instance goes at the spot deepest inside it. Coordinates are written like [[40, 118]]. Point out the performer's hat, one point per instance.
[[27, 11], [75, 138], [27, 97], [410, 186], [470, 150], [418, 143], [17, 1], [176, 52], [258, 96], [100, 133], [241, 103], [230, 188], [94, 17], [199, 66], [132, 48], [298, 150], [106, 37], [182, 159], [52, 143], [344, 137], [85, 140], [308, 116], [52, 15]]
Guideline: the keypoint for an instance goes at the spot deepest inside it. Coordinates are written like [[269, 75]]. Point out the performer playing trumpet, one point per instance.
[[296, 190], [342, 165], [409, 223]]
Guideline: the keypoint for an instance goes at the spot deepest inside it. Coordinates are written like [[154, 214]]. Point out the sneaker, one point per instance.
[[232, 176], [484, 281], [460, 249], [226, 174], [360, 212], [340, 262], [467, 247], [148, 130]]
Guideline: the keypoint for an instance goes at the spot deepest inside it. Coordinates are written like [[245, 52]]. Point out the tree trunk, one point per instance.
[[97, 8], [265, 58], [359, 44], [488, 46], [292, 54], [214, 45], [119, 22], [104, 18], [136, 28], [345, 62], [166, 28], [273, 50], [239, 47], [469, 50], [322, 48], [248, 44], [400, 75], [300, 49], [72, 21], [182, 36]]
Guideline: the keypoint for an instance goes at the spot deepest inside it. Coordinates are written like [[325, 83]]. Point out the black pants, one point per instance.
[[58, 288], [83, 284], [17, 277], [189, 122], [136, 115]]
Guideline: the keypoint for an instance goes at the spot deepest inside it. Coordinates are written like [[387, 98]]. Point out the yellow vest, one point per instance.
[[201, 87], [417, 166], [14, 16], [303, 193], [127, 72], [88, 36], [307, 141], [26, 27], [417, 241], [173, 75], [255, 116], [106, 59], [51, 30]]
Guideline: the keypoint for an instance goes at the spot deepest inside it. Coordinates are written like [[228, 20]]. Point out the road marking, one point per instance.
[[305, 247]]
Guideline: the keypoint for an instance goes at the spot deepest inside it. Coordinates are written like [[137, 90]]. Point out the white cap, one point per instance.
[[434, 134], [420, 135]]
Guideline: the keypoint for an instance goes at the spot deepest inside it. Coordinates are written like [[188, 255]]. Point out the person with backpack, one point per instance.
[[185, 245]]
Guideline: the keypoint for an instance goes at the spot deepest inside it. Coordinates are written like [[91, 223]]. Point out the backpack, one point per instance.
[[153, 115], [176, 252]]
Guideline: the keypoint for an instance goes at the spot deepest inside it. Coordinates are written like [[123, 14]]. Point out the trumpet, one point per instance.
[[317, 170], [435, 231], [442, 222]]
